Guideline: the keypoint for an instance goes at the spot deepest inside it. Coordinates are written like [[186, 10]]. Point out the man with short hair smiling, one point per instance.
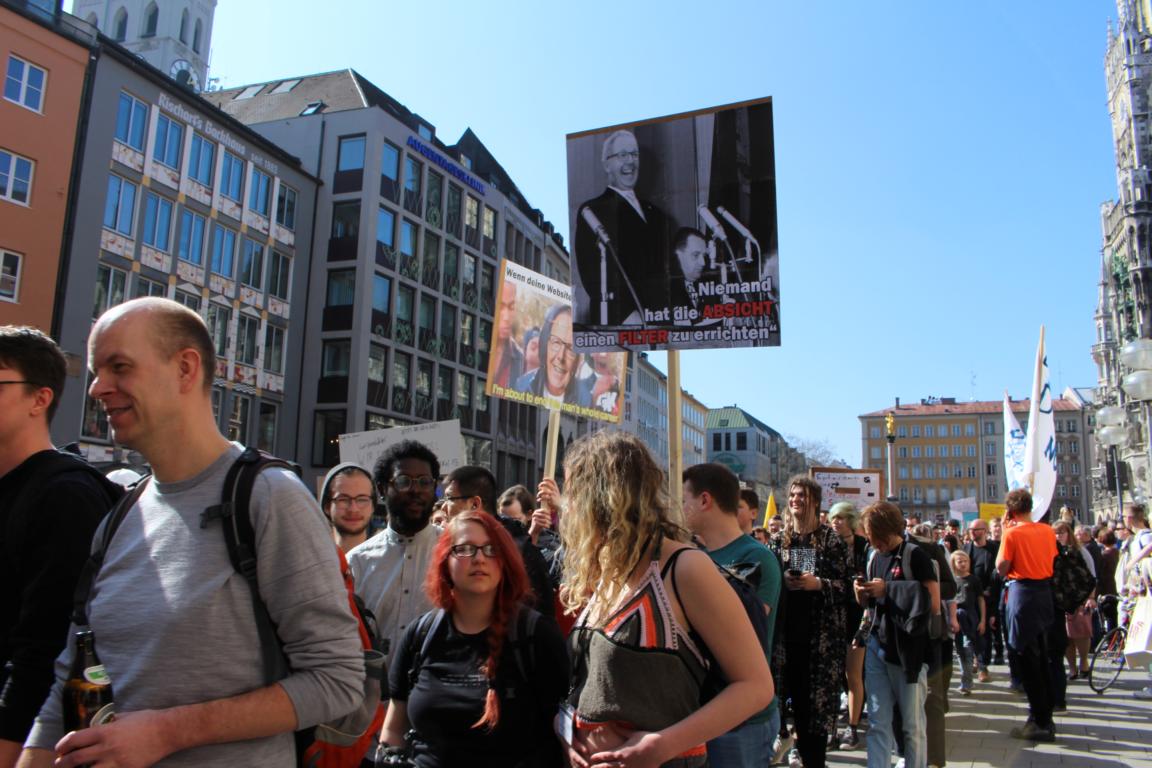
[[556, 379], [636, 231], [174, 621], [348, 499], [389, 568]]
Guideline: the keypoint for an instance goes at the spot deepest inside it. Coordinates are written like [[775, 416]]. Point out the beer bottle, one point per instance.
[[88, 692]]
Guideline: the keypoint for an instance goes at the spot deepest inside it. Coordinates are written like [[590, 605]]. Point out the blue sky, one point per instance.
[[940, 166]]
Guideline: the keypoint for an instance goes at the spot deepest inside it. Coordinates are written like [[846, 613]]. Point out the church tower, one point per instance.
[[171, 35]]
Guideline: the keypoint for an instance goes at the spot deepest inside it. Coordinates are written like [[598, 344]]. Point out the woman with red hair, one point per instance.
[[478, 679]]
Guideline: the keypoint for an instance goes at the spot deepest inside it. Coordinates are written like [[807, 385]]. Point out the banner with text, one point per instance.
[[674, 232], [443, 438], [533, 358], [860, 487]]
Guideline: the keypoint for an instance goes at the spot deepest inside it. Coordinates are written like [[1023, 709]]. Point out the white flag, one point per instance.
[[1013, 449], [1040, 446]]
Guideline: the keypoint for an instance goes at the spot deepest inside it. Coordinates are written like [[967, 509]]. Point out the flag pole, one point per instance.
[[675, 435], [553, 439]]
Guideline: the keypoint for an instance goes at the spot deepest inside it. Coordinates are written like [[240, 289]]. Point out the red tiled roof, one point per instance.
[[983, 407]]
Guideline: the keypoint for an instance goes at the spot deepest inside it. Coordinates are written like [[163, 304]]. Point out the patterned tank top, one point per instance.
[[641, 670]]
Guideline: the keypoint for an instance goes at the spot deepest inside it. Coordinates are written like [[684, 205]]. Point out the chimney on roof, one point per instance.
[[897, 402]]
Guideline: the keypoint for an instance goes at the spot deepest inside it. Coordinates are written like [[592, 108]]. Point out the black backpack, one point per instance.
[[349, 733], [1072, 582], [743, 581], [521, 632]]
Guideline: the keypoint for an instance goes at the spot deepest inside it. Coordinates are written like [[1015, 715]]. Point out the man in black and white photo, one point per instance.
[[634, 230]]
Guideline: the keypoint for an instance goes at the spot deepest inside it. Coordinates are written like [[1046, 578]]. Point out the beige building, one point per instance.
[[947, 450]]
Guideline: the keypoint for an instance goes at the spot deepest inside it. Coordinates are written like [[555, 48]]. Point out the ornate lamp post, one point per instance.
[[890, 426]]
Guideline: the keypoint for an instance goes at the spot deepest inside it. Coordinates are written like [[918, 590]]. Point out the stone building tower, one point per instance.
[[171, 35]]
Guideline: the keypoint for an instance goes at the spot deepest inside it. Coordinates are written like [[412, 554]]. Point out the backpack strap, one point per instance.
[[521, 636], [426, 628], [235, 514], [100, 547]]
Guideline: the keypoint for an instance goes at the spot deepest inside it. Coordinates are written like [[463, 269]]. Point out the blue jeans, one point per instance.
[[749, 746], [886, 688]]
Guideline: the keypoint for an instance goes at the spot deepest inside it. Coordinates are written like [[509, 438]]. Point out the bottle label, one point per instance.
[[96, 675], [105, 714]]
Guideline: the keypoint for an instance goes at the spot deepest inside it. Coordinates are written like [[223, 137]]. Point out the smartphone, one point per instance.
[[795, 573]]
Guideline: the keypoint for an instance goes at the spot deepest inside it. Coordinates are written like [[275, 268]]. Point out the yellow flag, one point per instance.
[[770, 510]]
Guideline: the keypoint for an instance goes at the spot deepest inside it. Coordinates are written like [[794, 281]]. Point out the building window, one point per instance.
[[266, 428], [252, 264], [1074, 447], [929, 430], [1075, 491], [377, 363], [341, 288], [401, 371], [989, 447], [286, 207], [25, 84], [990, 469], [15, 177], [971, 451], [971, 470], [247, 332], [191, 245], [202, 160], [131, 121], [902, 431], [190, 300], [915, 430], [915, 451], [184, 26], [350, 154], [279, 271], [956, 430], [874, 433], [390, 162], [969, 430], [916, 474], [10, 276], [223, 251], [197, 34], [120, 26], [169, 142], [218, 319], [874, 453], [110, 284], [232, 177], [381, 293], [413, 171], [336, 358], [260, 193], [157, 221], [930, 471], [1071, 425], [118, 208], [273, 348], [151, 20], [929, 451], [346, 219], [146, 287]]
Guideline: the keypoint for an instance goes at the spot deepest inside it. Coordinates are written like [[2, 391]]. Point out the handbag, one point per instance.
[[1138, 646], [1078, 623]]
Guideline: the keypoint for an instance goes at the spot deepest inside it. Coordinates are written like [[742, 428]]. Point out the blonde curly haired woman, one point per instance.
[[652, 608]]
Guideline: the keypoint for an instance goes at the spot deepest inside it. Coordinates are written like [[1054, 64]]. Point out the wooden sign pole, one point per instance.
[[675, 437], [553, 440]]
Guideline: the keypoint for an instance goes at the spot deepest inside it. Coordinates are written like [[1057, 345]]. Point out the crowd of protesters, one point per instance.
[[591, 622]]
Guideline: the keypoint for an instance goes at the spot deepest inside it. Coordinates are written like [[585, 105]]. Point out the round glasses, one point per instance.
[[404, 482], [463, 551], [343, 501]]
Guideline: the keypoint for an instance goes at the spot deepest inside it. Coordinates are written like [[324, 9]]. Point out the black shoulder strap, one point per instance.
[[521, 638], [426, 628], [235, 514], [100, 548]]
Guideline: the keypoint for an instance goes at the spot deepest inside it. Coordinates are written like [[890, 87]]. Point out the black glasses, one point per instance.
[[457, 498], [404, 482], [469, 550], [343, 502], [18, 381]]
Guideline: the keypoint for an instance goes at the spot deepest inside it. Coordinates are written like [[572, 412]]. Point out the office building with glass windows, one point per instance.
[[177, 199], [409, 232]]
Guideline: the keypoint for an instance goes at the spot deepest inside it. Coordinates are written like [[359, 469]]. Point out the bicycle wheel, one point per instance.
[[1107, 660]]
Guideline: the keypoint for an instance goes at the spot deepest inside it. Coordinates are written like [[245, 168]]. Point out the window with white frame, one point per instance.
[[247, 332], [190, 247], [10, 275], [157, 221], [218, 319], [190, 300], [169, 142], [131, 121], [286, 207], [24, 83], [120, 205], [232, 176], [273, 348], [110, 283], [279, 272], [223, 250], [146, 287], [260, 192], [15, 177], [252, 264], [202, 159]]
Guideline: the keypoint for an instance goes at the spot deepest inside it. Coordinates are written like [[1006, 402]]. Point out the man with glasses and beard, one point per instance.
[[389, 568]]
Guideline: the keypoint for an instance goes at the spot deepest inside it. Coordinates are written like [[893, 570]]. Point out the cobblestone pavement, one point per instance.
[[1113, 730]]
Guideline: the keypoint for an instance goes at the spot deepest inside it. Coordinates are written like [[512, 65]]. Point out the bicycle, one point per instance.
[[1108, 656]]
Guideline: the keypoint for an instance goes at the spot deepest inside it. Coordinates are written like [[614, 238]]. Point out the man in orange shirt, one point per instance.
[[1027, 552]]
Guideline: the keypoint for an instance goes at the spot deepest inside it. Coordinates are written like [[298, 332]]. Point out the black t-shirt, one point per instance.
[[984, 562], [449, 695], [968, 593], [801, 556], [907, 562]]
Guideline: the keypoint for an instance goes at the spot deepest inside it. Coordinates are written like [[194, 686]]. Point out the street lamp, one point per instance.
[[1112, 432], [890, 430]]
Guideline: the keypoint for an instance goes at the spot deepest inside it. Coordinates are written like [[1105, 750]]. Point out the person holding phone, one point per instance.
[[810, 654]]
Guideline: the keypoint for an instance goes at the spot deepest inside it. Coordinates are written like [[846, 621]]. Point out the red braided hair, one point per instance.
[[509, 594]]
